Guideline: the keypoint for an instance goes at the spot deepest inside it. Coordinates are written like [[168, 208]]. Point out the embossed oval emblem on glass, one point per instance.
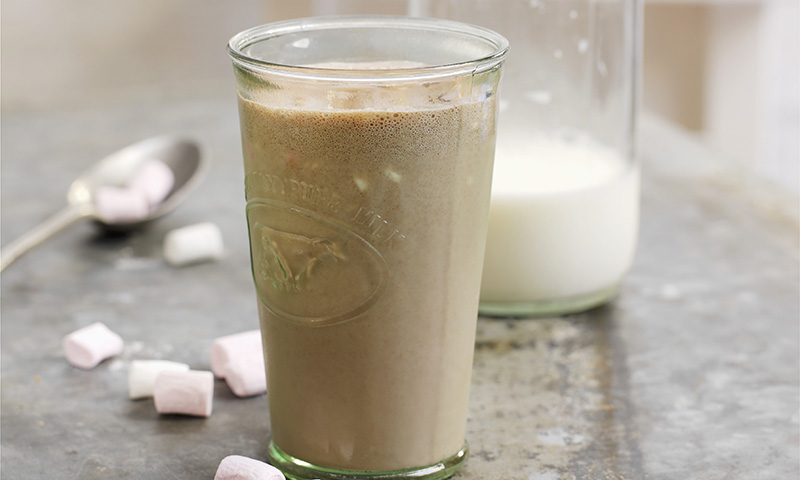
[[309, 269]]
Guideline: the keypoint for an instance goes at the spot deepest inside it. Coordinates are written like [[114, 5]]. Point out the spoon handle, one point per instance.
[[61, 220]]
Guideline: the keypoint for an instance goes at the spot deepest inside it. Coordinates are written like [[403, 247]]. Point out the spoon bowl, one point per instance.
[[182, 155]]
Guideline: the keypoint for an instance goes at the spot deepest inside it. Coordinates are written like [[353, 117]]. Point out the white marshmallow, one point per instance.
[[239, 345], [237, 467], [193, 244], [246, 376], [187, 393], [154, 179], [142, 375], [88, 346], [114, 204]]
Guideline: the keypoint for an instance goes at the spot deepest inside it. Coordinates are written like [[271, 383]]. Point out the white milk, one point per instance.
[[563, 220]]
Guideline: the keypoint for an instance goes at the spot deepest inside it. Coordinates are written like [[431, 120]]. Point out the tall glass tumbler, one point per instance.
[[565, 198], [368, 146]]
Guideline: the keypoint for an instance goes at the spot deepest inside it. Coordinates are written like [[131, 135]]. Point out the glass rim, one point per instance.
[[253, 35]]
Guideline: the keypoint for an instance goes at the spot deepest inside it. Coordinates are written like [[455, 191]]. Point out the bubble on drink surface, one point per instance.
[[393, 176], [361, 183], [583, 45]]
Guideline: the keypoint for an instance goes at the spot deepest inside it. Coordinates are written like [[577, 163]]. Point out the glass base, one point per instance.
[[296, 469], [548, 308]]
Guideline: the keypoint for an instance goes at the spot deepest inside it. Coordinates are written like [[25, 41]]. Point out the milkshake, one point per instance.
[[368, 290], [367, 208]]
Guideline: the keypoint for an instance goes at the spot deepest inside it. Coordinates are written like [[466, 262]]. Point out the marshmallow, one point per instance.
[[142, 375], [193, 244], [154, 180], [237, 467], [239, 359], [184, 392], [116, 204], [239, 345], [246, 376], [88, 346]]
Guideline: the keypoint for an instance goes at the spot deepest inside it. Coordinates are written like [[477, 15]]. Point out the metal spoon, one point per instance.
[[182, 155]]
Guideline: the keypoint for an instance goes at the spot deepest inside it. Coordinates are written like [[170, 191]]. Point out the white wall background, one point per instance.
[[727, 69], [730, 70]]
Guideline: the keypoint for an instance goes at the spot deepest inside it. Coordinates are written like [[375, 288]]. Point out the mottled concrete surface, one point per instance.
[[692, 373]]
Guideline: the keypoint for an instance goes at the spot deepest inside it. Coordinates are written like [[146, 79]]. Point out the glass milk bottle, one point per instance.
[[564, 216]]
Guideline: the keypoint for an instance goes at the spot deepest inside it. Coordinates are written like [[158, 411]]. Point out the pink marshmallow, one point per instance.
[[88, 346], [237, 467], [239, 345], [116, 204], [154, 180], [184, 392], [246, 376]]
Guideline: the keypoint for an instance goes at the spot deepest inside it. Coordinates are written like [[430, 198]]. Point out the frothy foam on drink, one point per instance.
[[371, 97]]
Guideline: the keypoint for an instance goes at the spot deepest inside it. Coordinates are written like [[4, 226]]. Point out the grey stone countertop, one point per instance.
[[692, 373]]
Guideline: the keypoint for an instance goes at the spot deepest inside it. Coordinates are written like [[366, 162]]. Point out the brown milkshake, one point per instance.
[[363, 213]]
